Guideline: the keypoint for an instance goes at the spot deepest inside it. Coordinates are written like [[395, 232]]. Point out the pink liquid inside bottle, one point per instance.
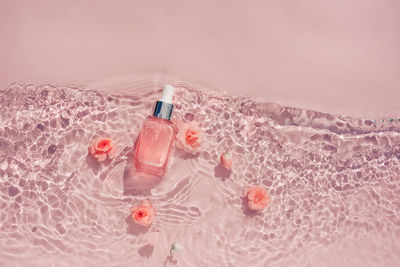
[[156, 139]]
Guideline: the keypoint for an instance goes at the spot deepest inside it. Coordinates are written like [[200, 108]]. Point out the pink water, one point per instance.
[[334, 182]]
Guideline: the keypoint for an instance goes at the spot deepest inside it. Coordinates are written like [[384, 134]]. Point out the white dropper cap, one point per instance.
[[167, 94]]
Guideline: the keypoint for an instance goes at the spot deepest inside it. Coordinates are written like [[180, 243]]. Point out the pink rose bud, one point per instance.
[[226, 160]]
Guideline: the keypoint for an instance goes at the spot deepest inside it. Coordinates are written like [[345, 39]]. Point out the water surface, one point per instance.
[[334, 182]]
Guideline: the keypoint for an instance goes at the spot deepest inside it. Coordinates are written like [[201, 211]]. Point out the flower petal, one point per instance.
[[100, 157], [111, 152], [255, 206], [92, 151]]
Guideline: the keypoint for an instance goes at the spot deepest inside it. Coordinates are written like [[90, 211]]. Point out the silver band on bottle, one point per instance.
[[163, 110]]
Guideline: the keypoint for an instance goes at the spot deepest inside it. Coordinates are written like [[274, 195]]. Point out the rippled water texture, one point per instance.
[[334, 183]]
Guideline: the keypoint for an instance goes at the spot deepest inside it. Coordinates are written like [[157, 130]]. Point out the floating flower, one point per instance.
[[226, 160], [101, 148], [189, 137], [257, 198], [175, 247], [144, 214]]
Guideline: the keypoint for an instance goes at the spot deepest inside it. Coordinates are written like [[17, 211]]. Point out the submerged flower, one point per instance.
[[226, 160], [175, 247], [101, 148], [144, 214], [189, 137], [257, 198]]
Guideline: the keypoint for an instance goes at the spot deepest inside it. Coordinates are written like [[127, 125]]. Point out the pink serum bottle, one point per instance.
[[157, 137]]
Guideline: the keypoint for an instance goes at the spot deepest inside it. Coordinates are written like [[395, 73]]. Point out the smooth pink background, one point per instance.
[[335, 56]]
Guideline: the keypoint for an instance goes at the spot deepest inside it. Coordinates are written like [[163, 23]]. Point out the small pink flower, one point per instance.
[[144, 214], [189, 137], [257, 198], [101, 148], [226, 160]]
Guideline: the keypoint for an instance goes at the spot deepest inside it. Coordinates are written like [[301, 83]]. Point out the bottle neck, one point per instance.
[[163, 110]]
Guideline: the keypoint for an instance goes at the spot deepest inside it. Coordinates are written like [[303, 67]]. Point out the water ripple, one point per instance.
[[334, 182]]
